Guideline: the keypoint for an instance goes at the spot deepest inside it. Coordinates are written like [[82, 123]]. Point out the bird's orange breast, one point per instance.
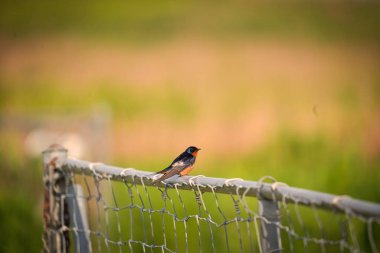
[[186, 171]]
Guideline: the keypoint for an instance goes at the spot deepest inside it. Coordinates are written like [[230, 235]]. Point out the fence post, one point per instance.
[[78, 218], [270, 232], [56, 218]]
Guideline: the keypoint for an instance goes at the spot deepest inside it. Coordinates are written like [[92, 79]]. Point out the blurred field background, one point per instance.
[[286, 89]]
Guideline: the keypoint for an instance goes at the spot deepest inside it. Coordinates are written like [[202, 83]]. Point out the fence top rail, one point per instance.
[[274, 190]]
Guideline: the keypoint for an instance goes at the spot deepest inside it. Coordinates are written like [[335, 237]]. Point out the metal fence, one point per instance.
[[92, 207]]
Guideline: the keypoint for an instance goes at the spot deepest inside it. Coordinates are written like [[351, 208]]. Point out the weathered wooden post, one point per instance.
[[55, 235]]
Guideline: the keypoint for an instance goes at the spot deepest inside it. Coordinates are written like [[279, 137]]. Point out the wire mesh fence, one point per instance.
[[91, 207]]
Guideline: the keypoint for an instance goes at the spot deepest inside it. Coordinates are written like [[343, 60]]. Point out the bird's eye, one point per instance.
[[190, 150]]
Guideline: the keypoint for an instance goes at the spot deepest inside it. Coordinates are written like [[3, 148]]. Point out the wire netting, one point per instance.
[[90, 207], [127, 213]]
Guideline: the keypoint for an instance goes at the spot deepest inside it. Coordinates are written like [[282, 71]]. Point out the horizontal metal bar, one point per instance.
[[278, 191]]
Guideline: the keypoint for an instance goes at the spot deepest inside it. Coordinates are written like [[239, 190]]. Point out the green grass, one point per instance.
[[151, 21], [20, 224], [20, 203], [124, 101]]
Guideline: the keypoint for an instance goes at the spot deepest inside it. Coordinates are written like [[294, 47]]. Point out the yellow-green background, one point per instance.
[[286, 89]]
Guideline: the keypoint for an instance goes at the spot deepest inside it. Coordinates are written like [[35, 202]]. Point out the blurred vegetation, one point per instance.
[[324, 161], [147, 20]]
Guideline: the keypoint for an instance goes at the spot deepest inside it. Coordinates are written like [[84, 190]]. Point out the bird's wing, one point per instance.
[[181, 157], [176, 168], [184, 157]]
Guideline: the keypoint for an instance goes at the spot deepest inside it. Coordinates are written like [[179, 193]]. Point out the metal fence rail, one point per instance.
[[270, 196], [271, 191]]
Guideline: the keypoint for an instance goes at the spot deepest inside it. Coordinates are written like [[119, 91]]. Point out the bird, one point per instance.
[[182, 165]]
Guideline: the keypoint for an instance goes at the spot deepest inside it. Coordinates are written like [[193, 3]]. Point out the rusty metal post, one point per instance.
[[56, 218], [270, 232]]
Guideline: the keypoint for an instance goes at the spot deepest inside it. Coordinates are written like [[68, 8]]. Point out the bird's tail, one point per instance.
[[157, 181], [153, 175], [164, 170]]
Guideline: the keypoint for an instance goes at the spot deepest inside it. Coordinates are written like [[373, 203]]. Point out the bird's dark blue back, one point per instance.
[[181, 157], [182, 161]]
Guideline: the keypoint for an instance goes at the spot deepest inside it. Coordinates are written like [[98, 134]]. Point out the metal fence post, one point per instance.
[[56, 218], [270, 232], [78, 218]]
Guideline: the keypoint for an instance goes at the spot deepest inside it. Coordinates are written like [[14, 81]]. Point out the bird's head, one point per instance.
[[192, 150]]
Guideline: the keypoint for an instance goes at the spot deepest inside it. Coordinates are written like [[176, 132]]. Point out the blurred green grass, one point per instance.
[[126, 102], [149, 20]]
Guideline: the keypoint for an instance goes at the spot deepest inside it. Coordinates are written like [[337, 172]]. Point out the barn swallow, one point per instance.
[[182, 165]]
